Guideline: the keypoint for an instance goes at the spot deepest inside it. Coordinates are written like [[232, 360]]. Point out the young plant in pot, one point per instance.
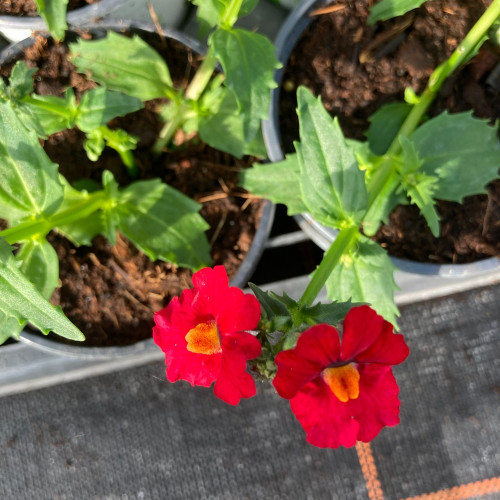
[[144, 215], [410, 158]]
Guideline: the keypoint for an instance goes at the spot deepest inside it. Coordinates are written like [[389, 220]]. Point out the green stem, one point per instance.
[[30, 229], [339, 247], [382, 184], [193, 92], [231, 14]]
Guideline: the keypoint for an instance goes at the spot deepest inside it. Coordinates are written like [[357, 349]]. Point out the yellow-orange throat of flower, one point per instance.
[[204, 339], [343, 381]]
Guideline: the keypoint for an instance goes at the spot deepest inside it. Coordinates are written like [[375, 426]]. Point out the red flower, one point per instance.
[[201, 334], [343, 393]]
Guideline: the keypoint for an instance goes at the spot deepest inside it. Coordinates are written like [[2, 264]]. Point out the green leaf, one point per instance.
[[462, 151], [21, 80], [333, 187], [51, 112], [87, 228], [270, 304], [222, 128], [54, 14], [385, 125], [365, 275], [278, 182], [9, 327], [248, 61], [20, 302], [163, 223], [127, 65], [211, 13], [29, 183], [99, 106], [331, 313], [40, 264], [386, 9]]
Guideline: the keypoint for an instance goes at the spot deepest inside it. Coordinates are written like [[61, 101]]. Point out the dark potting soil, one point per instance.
[[28, 7], [112, 292], [357, 68]]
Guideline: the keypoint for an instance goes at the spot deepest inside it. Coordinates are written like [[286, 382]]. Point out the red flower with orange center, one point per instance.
[[202, 334], [343, 392]]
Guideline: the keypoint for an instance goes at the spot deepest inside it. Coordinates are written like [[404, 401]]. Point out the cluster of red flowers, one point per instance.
[[340, 391]]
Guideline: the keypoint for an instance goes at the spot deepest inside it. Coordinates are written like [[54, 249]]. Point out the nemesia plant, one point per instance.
[[225, 111], [353, 186], [340, 392]]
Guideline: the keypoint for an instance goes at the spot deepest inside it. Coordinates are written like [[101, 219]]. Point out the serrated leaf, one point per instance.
[[19, 299], [278, 182], [462, 151], [333, 187], [248, 61], [385, 124], [9, 327], [365, 275], [40, 264], [387, 9], [269, 303], [54, 14], [222, 128], [127, 65], [29, 183], [98, 106], [163, 223], [331, 313]]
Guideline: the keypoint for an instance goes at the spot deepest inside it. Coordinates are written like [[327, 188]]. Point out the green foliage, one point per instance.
[[278, 182], [54, 14], [20, 302], [386, 9], [332, 185], [365, 275], [127, 65], [248, 62]]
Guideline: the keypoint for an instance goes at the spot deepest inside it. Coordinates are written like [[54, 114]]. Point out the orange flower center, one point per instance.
[[204, 339], [343, 381]]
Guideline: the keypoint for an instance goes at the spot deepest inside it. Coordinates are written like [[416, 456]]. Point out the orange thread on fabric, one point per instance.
[[470, 490], [204, 339], [369, 470], [343, 381]]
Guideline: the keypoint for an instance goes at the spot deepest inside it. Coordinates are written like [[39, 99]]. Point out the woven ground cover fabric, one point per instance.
[[132, 435]]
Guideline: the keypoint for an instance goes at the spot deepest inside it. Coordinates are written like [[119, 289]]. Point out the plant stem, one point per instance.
[[339, 247], [32, 228], [383, 182]]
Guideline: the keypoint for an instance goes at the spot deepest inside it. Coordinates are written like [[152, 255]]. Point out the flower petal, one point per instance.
[[233, 382], [378, 403], [231, 307], [326, 421], [367, 337]]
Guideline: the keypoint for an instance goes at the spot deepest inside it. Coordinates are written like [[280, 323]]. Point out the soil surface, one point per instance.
[[357, 68], [112, 292], [28, 7]]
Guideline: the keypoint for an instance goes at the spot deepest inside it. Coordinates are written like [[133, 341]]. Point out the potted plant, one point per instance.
[[414, 180], [162, 222]]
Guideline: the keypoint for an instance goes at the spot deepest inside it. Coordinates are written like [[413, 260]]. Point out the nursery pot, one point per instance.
[[412, 276], [172, 14], [263, 214]]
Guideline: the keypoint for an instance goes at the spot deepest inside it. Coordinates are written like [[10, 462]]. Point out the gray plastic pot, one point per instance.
[[416, 280], [170, 13], [239, 280]]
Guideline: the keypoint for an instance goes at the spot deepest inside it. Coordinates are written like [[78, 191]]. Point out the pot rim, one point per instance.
[[246, 268], [288, 36]]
